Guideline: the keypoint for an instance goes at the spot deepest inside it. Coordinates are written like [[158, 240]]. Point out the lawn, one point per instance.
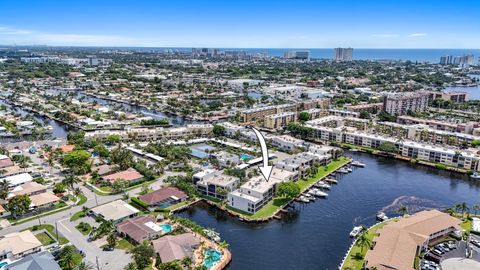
[[51, 229], [178, 205], [45, 239], [82, 200], [467, 225], [322, 172], [124, 244], [77, 216], [356, 262], [84, 228]]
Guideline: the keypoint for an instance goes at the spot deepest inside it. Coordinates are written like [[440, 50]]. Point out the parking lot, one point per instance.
[[452, 255]]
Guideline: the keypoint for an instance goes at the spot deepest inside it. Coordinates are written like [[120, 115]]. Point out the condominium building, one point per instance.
[[456, 96], [365, 107], [302, 55], [467, 127], [285, 142], [402, 103], [299, 163], [280, 120], [343, 54], [259, 113], [213, 183]]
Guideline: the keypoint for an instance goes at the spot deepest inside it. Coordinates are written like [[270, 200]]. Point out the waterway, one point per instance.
[[473, 91], [315, 235]]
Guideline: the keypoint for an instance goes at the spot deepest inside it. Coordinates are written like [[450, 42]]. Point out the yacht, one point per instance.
[[319, 193], [357, 164], [322, 184], [310, 197], [349, 169], [342, 170], [303, 199], [356, 231], [475, 175], [331, 180], [381, 216]]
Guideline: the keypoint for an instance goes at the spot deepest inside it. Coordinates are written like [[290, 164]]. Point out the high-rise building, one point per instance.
[[343, 54], [402, 103], [302, 55], [463, 61]]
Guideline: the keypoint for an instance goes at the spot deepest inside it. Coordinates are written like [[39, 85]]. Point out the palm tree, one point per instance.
[[69, 180], [67, 256], [363, 241], [403, 210], [131, 266], [463, 207], [112, 240], [186, 262]]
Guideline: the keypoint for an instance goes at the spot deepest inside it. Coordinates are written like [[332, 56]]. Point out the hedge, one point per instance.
[[138, 202]]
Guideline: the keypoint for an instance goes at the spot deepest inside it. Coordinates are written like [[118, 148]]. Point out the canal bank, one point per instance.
[[315, 235]]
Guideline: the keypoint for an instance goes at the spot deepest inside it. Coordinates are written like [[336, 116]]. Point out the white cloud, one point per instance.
[[417, 35], [22, 36], [387, 35]]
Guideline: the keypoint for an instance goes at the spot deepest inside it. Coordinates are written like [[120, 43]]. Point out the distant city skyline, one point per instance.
[[249, 24]]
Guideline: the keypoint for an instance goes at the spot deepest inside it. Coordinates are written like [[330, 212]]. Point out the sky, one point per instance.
[[242, 24]]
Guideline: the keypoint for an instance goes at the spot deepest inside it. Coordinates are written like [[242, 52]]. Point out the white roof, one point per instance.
[[18, 179]]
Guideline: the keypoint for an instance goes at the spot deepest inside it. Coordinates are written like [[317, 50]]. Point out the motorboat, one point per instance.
[[357, 163], [322, 184], [342, 170], [303, 199], [310, 197], [319, 193], [475, 175], [349, 169], [356, 231], [381, 216], [331, 180]]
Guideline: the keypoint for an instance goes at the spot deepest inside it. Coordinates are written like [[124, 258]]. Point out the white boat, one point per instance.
[[303, 199], [342, 170], [349, 169], [331, 180], [353, 150], [381, 216], [475, 175], [319, 193], [310, 197], [357, 163], [322, 184], [356, 231]]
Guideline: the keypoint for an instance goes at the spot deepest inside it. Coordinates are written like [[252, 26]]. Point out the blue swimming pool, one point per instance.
[[201, 150], [211, 257], [245, 157], [166, 228], [2, 264]]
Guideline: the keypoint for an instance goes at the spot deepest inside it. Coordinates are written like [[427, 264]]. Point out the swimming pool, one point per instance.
[[2, 264], [211, 257], [166, 228], [245, 157], [200, 150]]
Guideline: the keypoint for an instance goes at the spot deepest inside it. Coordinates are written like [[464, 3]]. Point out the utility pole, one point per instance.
[[56, 229], [98, 266], [96, 200]]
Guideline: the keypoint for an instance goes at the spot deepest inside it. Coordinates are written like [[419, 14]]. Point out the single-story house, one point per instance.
[[67, 148], [5, 161], [117, 211], [164, 197], [18, 179], [37, 261], [28, 188], [43, 200], [130, 175], [17, 245], [140, 228], [175, 247], [4, 212], [103, 169]]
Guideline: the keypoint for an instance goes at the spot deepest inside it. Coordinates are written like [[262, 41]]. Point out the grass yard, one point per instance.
[[178, 205], [45, 239], [84, 228], [124, 244], [322, 172], [51, 229], [77, 216]]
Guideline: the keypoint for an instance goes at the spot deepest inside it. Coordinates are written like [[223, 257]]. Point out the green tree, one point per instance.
[[101, 150], [304, 116], [290, 190], [19, 205], [131, 266], [218, 130], [119, 185], [4, 189], [77, 161], [170, 266], [113, 139], [69, 180], [363, 241], [142, 255], [68, 258], [85, 266], [387, 147], [112, 240], [403, 210]]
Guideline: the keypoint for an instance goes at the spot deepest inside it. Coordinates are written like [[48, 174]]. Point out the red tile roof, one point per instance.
[[162, 194], [67, 148], [135, 228], [130, 175], [6, 163]]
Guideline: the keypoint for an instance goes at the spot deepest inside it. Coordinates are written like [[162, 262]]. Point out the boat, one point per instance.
[[349, 169], [353, 150], [342, 170], [319, 193], [303, 199], [310, 197], [356, 231], [331, 180], [322, 184], [381, 216], [475, 175], [357, 163]]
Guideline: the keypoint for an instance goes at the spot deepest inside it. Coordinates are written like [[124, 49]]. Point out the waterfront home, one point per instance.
[[17, 179], [254, 194], [299, 163], [285, 142], [43, 200], [211, 184], [398, 243], [28, 188], [175, 247], [116, 211], [131, 175], [149, 158], [19, 244], [139, 229], [38, 261], [164, 197]]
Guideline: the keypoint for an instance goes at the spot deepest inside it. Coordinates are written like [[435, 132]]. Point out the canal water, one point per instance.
[[473, 91], [316, 235]]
